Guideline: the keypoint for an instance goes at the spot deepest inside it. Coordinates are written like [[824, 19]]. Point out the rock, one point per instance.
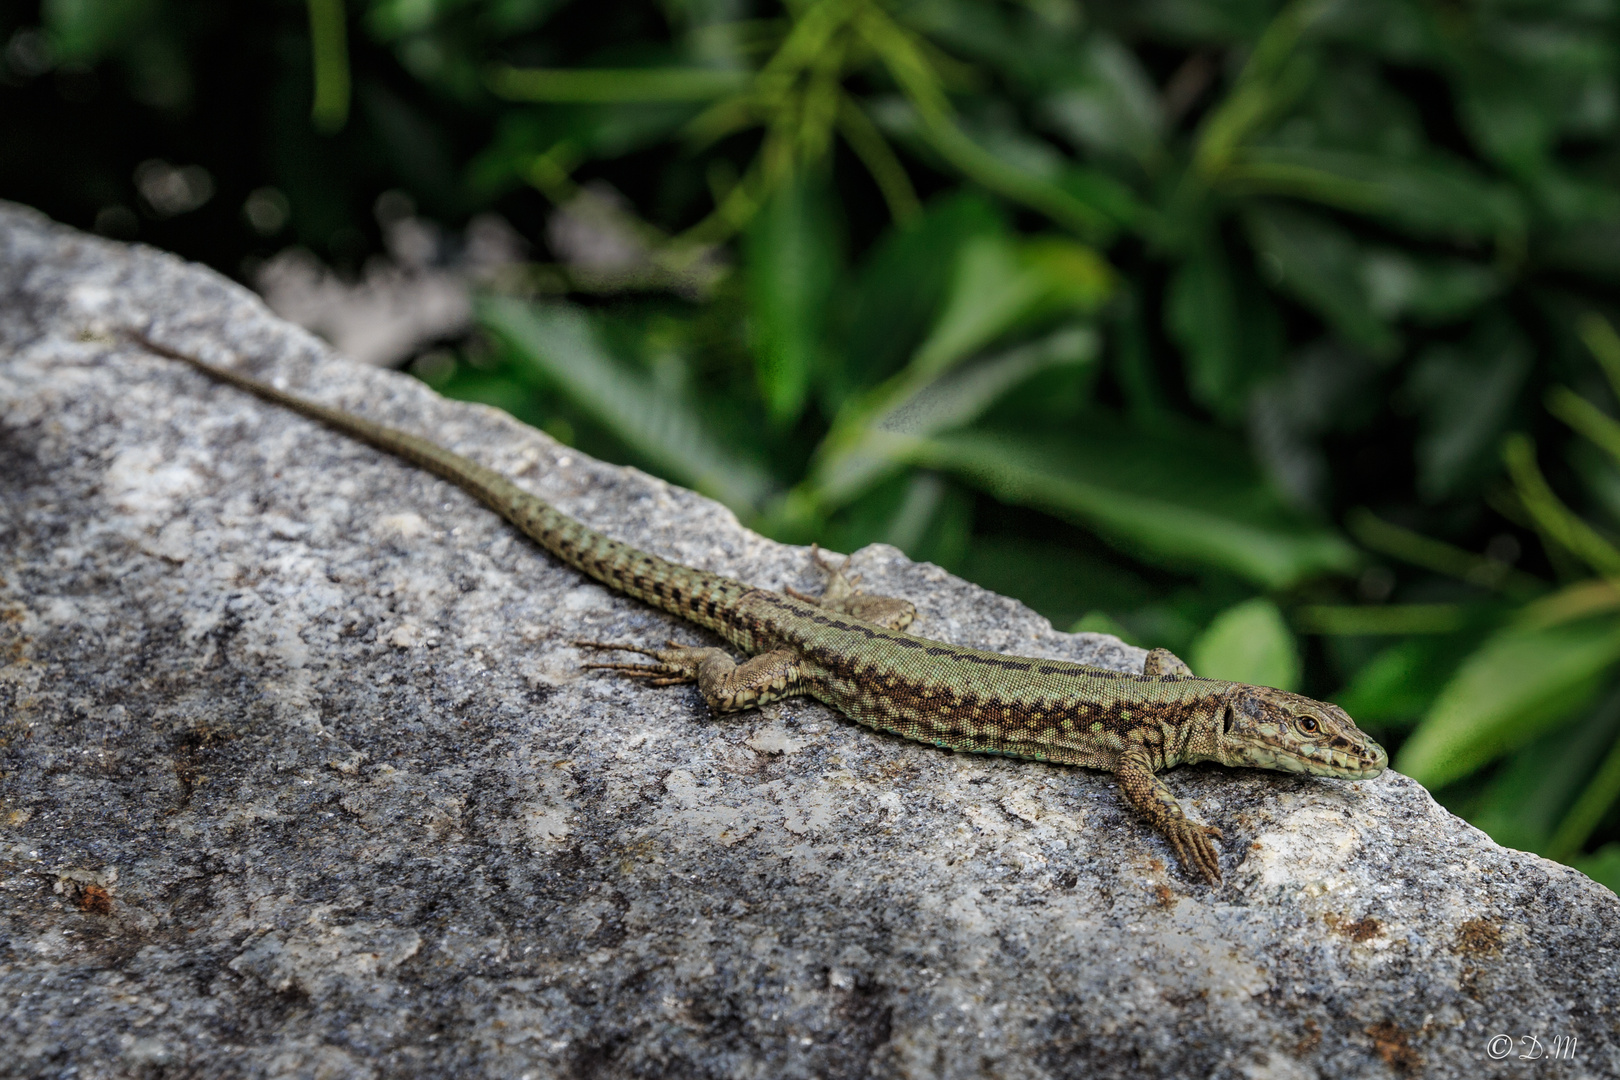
[[301, 776]]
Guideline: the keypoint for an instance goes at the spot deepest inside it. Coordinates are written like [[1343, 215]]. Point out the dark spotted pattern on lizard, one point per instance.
[[849, 650]]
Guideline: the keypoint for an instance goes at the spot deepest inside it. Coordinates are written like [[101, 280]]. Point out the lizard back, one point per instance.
[[977, 701]]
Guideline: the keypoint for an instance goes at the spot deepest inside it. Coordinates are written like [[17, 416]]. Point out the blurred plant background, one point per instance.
[[1280, 335]]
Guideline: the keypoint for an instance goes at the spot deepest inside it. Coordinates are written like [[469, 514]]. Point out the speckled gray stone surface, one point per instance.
[[301, 778]]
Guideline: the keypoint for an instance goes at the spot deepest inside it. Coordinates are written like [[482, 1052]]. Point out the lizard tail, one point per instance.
[[697, 596]]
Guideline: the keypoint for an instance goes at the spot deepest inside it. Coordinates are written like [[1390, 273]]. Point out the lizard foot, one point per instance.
[[1191, 843], [725, 685], [841, 595], [675, 665], [1164, 662]]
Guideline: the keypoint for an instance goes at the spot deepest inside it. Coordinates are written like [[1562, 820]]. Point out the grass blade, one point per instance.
[[1556, 520], [1601, 793]]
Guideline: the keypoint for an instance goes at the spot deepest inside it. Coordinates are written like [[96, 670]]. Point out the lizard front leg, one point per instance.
[[1188, 839], [726, 685], [841, 595]]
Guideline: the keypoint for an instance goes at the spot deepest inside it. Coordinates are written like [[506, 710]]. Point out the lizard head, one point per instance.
[[1273, 729]]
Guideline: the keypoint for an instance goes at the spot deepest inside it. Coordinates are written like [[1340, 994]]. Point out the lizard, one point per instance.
[[850, 650]]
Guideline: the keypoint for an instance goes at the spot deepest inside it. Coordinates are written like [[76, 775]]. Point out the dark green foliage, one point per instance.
[[1227, 326]]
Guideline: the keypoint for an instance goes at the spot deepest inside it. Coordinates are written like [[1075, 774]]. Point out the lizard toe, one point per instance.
[[1195, 852], [612, 646], [656, 674]]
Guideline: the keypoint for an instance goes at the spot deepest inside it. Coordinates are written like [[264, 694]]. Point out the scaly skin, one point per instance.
[[848, 649]]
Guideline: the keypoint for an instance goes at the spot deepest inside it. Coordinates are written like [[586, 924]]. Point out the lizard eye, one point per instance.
[[1307, 724]]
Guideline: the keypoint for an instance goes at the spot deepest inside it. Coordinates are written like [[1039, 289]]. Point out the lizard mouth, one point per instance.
[[1357, 764], [1367, 761]]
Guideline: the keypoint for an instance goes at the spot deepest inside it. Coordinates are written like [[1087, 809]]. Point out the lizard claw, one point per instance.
[[1191, 843], [656, 674], [613, 646]]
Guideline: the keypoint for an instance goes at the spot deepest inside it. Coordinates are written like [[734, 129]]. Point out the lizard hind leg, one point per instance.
[[726, 685], [843, 596]]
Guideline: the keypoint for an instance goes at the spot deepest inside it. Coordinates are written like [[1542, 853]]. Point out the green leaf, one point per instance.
[[962, 396], [1110, 196], [575, 132], [1229, 333], [1431, 291], [608, 86], [494, 389], [82, 31], [1068, 204], [899, 289], [1429, 196], [1525, 801], [559, 340], [1564, 199], [1279, 68], [329, 50], [1407, 33], [859, 453], [1510, 109], [1376, 619], [1376, 534], [1596, 799], [991, 292], [1586, 418], [1194, 22], [1249, 643], [1181, 500], [999, 286], [1592, 247], [793, 262], [1467, 396], [1399, 684], [1522, 682], [1108, 103], [1320, 264], [1598, 334]]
